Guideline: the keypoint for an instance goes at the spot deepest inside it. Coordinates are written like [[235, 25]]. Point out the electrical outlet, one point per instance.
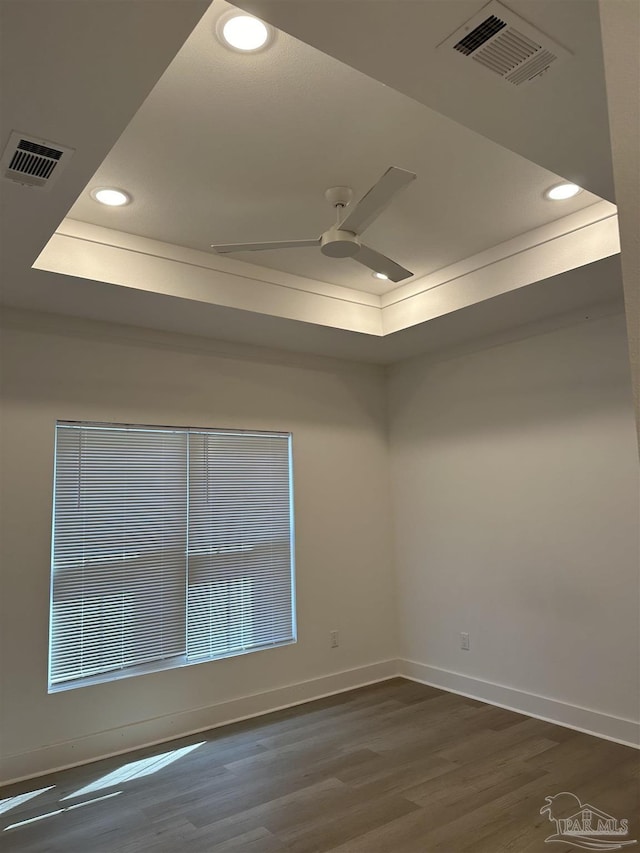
[[464, 641], [333, 637]]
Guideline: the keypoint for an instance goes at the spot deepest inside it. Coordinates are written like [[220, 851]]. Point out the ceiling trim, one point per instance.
[[553, 257], [574, 222], [103, 255], [192, 279], [218, 263]]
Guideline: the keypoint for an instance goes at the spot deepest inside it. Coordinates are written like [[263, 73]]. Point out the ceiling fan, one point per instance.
[[342, 239]]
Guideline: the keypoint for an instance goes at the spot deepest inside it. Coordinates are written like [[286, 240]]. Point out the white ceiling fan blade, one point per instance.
[[374, 202], [380, 263], [259, 247]]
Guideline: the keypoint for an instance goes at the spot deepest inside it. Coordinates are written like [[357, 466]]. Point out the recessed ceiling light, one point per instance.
[[562, 191], [245, 33], [381, 276], [110, 196]]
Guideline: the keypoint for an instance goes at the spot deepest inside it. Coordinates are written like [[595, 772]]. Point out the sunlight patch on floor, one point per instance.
[[13, 802], [60, 811], [134, 770]]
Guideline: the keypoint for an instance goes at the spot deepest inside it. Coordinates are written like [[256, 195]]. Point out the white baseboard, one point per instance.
[[585, 720], [61, 755]]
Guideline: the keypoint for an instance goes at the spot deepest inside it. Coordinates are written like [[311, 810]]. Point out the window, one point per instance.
[[170, 546]]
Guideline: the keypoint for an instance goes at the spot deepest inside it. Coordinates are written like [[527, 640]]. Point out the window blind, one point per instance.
[[169, 546], [239, 543]]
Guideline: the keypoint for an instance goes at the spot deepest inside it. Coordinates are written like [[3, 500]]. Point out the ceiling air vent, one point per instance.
[[502, 43], [33, 162]]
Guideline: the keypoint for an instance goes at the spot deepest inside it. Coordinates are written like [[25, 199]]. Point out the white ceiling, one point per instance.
[[561, 122], [231, 147], [68, 85]]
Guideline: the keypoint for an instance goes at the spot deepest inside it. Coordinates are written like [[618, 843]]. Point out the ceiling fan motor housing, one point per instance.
[[339, 244]]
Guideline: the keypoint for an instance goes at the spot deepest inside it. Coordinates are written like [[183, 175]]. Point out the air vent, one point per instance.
[[482, 33], [504, 44], [33, 162]]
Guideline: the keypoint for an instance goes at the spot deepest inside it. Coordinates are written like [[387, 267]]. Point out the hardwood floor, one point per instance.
[[392, 768]]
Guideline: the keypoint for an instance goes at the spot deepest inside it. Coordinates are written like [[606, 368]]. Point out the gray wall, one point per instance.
[[53, 368], [515, 483]]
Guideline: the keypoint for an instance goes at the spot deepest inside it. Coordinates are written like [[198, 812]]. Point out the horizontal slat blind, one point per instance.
[[119, 542], [167, 544], [240, 583]]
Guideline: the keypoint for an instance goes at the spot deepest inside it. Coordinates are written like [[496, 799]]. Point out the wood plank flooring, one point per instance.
[[392, 768]]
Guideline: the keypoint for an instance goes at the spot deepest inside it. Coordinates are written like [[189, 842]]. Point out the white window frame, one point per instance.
[[243, 530]]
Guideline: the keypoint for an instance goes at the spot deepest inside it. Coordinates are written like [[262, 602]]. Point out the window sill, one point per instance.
[[158, 666]]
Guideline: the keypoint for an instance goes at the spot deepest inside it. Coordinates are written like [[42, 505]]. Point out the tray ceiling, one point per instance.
[[230, 148], [227, 146]]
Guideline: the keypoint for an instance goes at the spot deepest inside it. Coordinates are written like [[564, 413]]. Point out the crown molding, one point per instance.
[[115, 258]]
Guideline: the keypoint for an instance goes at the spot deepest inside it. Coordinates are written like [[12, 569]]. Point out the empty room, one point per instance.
[[319, 505]]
